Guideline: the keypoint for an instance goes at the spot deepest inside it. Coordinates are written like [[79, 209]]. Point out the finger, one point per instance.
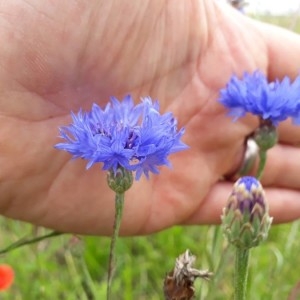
[[289, 133], [284, 205], [283, 47], [283, 50], [282, 167]]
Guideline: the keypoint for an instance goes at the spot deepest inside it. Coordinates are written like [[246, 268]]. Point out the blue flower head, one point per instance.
[[275, 101], [135, 137]]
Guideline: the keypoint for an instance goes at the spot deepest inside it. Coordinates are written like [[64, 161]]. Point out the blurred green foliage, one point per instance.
[[61, 268]]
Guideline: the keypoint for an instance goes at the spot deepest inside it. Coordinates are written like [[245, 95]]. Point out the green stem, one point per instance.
[[119, 204], [87, 282], [25, 241], [241, 273], [262, 163]]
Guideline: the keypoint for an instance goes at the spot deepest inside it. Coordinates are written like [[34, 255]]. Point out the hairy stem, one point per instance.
[[119, 204], [241, 273], [27, 241]]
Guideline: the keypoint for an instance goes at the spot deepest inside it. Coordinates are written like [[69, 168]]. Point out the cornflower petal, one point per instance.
[[159, 138], [126, 112]]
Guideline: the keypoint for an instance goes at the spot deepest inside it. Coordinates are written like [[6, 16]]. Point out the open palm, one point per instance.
[[57, 58]]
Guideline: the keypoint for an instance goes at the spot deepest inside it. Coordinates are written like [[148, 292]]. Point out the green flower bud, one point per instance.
[[119, 180], [245, 220], [265, 135]]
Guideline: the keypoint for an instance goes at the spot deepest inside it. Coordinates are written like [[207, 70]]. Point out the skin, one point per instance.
[[58, 56]]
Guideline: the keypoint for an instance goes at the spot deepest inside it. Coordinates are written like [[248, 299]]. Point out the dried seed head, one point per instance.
[[178, 284]]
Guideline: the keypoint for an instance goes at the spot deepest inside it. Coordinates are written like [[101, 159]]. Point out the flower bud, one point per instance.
[[245, 220], [119, 180], [265, 135]]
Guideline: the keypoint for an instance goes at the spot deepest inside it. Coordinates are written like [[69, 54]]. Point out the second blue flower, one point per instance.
[[272, 101]]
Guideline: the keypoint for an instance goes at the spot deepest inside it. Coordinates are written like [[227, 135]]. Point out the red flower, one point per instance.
[[6, 277]]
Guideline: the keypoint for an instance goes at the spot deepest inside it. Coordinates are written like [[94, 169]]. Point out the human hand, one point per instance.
[[58, 57]]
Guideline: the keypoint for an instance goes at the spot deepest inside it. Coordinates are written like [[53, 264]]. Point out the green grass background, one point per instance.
[[61, 268], [68, 268]]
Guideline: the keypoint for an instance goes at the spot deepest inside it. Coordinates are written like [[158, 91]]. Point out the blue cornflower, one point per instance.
[[274, 102], [135, 137]]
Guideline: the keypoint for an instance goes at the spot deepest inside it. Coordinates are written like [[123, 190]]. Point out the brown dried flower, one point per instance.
[[179, 283]]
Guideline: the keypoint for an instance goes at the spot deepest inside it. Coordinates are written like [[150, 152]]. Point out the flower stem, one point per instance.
[[262, 163], [27, 241], [119, 204], [240, 273]]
